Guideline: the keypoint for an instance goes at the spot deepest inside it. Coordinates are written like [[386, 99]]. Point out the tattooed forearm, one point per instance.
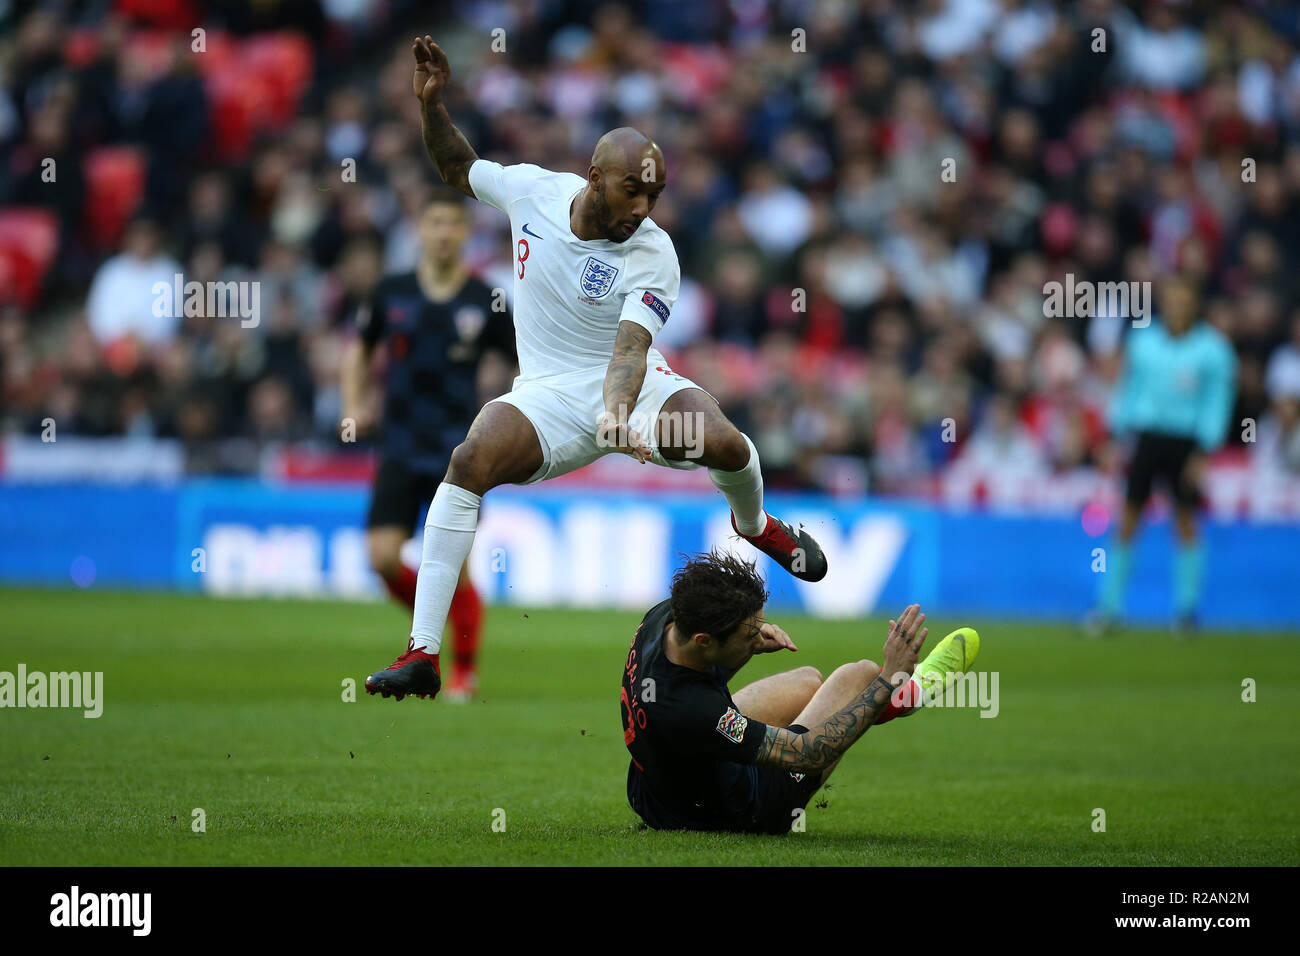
[[821, 746], [447, 147], [626, 372]]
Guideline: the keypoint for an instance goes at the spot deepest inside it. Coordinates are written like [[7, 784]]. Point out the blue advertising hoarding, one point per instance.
[[561, 547]]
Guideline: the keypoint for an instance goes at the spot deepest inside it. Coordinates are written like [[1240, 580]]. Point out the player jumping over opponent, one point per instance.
[[595, 280], [704, 760]]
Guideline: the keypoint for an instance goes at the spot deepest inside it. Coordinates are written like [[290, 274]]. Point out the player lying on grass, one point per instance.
[[594, 280], [704, 760]]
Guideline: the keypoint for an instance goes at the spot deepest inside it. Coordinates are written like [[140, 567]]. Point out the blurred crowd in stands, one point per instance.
[[866, 196]]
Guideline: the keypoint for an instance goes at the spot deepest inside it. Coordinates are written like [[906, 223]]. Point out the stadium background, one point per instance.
[[816, 171]]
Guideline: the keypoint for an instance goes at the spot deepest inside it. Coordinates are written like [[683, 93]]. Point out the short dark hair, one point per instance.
[[715, 593], [442, 195]]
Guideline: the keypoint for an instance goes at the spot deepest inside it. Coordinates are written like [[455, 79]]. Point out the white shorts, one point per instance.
[[564, 409]]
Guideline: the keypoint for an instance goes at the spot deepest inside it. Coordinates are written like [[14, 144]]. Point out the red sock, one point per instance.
[[903, 701], [466, 616], [402, 585]]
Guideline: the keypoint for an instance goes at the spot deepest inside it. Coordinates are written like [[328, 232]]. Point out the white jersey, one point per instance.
[[571, 294]]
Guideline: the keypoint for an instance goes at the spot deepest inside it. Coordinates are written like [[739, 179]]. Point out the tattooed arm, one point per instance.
[[623, 380], [818, 748], [447, 147]]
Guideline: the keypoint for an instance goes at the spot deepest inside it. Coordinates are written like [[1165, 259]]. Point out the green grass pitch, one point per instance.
[[236, 707]]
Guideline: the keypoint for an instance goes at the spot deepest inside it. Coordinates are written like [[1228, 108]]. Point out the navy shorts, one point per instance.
[[399, 494], [778, 794], [775, 796]]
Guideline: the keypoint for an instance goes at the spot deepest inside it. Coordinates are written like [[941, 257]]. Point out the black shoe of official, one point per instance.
[[415, 672]]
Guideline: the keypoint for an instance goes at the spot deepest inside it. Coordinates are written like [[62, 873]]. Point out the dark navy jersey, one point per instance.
[[434, 350], [692, 750]]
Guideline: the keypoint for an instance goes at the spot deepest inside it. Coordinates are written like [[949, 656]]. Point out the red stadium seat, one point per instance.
[[174, 14], [256, 86], [220, 50], [114, 188], [283, 62], [239, 109], [80, 48], [29, 240]]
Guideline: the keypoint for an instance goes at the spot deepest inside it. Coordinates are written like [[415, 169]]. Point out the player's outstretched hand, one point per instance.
[[774, 639], [432, 70], [905, 639], [611, 433]]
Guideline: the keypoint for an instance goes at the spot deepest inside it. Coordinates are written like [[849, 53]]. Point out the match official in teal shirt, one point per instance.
[[1175, 393]]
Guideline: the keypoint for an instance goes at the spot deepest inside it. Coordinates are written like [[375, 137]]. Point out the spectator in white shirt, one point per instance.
[[776, 215], [1164, 53], [122, 296], [1282, 380]]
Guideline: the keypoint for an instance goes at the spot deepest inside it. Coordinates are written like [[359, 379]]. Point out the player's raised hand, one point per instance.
[[610, 432], [774, 639], [905, 639], [432, 70]]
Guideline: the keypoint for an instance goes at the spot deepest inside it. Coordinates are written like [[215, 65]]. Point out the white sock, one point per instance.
[[744, 492], [448, 536]]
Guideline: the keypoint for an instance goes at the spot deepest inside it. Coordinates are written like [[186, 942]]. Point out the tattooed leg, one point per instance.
[[845, 684], [779, 698], [819, 748]]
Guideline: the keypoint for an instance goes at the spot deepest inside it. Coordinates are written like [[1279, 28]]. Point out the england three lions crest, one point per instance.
[[597, 279]]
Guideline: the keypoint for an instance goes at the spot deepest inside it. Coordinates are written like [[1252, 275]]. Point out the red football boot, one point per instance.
[[415, 672], [796, 551]]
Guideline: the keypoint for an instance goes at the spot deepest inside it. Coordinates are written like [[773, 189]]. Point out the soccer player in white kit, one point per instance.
[[595, 280]]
